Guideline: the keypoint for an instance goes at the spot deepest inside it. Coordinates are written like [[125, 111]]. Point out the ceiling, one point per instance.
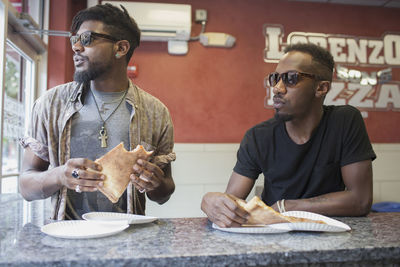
[[377, 3]]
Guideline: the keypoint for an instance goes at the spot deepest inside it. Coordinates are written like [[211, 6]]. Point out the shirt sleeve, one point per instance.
[[36, 134], [356, 146], [246, 163], [165, 154]]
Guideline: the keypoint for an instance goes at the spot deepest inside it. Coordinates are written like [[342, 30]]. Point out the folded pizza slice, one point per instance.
[[262, 214], [117, 167]]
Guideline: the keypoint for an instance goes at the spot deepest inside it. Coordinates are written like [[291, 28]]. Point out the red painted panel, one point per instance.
[[216, 94], [60, 66]]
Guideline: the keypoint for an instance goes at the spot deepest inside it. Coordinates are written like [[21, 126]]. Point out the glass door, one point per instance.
[[17, 101], [20, 56]]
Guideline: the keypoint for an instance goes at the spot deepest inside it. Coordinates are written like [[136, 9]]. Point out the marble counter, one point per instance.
[[373, 241]]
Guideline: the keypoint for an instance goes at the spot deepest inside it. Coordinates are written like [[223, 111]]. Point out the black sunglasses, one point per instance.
[[290, 78], [86, 38]]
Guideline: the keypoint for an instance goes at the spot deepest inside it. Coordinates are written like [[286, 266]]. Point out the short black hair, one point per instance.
[[117, 23], [322, 58]]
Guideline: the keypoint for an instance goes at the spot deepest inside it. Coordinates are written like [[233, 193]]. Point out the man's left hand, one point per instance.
[[146, 176]]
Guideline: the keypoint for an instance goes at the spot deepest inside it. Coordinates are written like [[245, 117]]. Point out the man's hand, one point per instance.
[[81, 175], [146, 176], [223, 210], [36, 181]]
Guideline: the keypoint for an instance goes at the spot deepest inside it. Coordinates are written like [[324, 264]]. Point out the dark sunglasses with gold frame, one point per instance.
[[86, 38]]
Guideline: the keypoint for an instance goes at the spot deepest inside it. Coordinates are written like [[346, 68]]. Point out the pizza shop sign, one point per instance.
[[353, 85]]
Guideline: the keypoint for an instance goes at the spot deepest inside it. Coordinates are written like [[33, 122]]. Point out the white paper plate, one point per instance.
[[331, 225], [268, 229], [82, 229], [115, 216]]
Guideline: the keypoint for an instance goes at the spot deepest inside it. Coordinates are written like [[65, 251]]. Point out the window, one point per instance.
[[17, 85], [20, 62]]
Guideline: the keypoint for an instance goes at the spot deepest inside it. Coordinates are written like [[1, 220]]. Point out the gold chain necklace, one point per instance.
[[103, 131]]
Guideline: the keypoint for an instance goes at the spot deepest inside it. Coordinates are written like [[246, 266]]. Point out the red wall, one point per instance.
[[216, 94], [60, 67]]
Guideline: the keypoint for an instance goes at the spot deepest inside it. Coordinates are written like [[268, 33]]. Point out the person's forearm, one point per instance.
[[344, 203], [163, 192], [35, 185]]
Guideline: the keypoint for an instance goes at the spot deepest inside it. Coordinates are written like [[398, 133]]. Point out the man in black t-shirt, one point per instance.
[[313, 157]]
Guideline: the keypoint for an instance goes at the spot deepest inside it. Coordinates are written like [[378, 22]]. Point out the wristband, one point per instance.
[[278, 203], [283, 205]]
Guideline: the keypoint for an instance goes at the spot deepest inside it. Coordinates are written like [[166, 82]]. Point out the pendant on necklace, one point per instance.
[[103, 136]]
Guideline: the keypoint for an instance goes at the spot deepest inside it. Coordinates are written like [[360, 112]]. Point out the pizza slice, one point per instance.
[[262, 214], [117, 167]]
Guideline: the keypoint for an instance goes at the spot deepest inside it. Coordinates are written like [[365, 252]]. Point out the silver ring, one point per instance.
[[78, 189], [142, 190], [75, 173]]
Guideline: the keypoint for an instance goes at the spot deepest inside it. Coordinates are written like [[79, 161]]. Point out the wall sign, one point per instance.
[[364, 66]]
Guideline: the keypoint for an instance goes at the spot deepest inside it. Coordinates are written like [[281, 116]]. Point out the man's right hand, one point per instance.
[[36, 181], [223, 210], [81, 172]]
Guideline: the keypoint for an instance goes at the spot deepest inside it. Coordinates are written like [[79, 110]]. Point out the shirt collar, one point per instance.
[[132, 96], [77, 92]]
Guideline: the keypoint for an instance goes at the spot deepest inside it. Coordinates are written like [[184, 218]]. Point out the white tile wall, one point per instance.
[[386, 169], [202, 168]]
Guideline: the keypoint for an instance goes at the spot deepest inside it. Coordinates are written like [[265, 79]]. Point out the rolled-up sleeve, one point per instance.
[[165, 147], [36, 134]]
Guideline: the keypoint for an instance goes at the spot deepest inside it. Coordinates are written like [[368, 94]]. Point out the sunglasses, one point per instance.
[[290, 78], [86, 38]]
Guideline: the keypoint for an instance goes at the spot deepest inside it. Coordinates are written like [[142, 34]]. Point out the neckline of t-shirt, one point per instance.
[[309, 141], [108, 97]]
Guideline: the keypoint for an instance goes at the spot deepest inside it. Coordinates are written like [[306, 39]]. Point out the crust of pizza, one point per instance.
[[117, 167], [262, 214]]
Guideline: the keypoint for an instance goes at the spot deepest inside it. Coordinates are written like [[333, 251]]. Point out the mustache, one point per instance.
[[278, 99], [79, 57]]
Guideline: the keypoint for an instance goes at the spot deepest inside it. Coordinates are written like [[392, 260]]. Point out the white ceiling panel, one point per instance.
[[359, 2], [380, 3], [393, 4]]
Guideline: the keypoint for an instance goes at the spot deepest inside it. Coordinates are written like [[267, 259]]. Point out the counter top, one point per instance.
[[373, 240]]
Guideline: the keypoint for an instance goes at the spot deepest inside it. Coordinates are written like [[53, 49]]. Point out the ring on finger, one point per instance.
[[78, 189], [75, 173], [145, 178], [142, 190]]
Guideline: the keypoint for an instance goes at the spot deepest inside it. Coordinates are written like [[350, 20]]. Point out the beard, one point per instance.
[[283, 117], [94, 70]]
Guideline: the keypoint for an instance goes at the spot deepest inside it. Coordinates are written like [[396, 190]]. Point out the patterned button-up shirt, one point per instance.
[[50, 133]]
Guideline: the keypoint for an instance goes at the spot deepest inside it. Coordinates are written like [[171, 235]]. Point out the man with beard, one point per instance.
[[314, 157], [75, 123]]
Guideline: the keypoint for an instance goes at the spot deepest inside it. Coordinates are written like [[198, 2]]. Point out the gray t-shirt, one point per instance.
[[85, 143]]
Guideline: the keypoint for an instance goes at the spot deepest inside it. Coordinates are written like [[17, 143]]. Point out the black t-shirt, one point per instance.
[[293, 171]]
